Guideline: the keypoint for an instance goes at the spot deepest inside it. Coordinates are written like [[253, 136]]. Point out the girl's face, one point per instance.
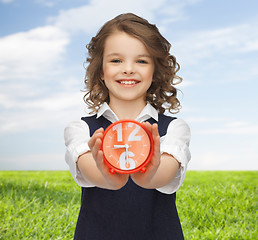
[[127, 68]]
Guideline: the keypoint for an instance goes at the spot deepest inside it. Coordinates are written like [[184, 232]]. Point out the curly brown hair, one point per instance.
[[162, 94]]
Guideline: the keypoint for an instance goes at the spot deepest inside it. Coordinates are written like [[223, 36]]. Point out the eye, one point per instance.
[[116, 61], [142, 61]]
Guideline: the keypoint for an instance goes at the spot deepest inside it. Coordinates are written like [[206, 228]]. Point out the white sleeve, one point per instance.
[[176, 143], [77, 136]]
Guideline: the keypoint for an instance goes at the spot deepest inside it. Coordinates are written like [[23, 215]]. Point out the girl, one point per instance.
[[131, 75]]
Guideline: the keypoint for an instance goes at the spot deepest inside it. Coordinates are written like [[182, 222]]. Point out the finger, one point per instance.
[[155, 130], [98, 144], [100, 130], [99, 159], [157, 145], [91, 142], [155, 160], [147, 125], [96, 148], [103, 167], [97, 134]]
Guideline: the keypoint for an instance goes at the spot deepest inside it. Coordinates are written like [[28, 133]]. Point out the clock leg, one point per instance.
[[112, 170]]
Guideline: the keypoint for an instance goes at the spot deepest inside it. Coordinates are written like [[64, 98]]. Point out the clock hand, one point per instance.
[[120, 146], [126, 153]]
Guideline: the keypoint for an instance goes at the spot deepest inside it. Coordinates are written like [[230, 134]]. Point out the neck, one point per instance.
[[127, 109]]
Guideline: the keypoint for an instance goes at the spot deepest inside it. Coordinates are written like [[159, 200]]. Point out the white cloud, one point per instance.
[[186, 83], [28, 54], [201, 119], [49, 103], [47, 3], [6, 1], [175, 11], [232, 128], [41, 113], [216, 160], [201, 45], [91, 17], [48, 161], [57, 102]]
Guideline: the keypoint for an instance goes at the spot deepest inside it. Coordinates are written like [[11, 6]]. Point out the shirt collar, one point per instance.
[[148, 112], [107, 112]]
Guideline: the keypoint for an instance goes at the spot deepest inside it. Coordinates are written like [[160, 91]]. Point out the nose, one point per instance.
[[128, 68]]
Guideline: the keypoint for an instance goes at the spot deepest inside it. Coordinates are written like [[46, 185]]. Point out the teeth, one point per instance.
[[127, 82]]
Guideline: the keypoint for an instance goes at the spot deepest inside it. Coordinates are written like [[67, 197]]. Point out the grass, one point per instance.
[[38, 205], [219, 205], [211, 205]]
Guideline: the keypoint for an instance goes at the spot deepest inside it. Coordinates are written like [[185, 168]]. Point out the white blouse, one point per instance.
[[175, 142]]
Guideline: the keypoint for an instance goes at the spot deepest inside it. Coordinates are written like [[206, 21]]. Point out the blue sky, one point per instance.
[[42, 51]]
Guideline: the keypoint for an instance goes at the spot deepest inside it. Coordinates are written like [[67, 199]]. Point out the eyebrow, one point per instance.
[[118, 54], [144, 55]]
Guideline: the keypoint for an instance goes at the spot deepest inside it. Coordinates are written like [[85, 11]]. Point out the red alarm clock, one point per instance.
[[127, 147]]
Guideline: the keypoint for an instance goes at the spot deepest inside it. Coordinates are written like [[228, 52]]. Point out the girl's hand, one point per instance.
[[145, 179], [113, 181]]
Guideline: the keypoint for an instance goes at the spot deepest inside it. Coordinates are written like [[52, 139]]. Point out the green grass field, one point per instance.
[[211, 205]]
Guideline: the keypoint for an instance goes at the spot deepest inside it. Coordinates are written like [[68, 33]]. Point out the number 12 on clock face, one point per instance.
[[127, 146], [132, 137]]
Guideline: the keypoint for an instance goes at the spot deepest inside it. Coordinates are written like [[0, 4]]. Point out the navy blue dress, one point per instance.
[[131, 212]]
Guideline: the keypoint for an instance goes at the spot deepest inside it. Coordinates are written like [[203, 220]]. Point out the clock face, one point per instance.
[[127, 146]]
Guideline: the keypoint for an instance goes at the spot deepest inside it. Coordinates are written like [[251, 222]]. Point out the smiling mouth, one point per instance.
[[128, 81]]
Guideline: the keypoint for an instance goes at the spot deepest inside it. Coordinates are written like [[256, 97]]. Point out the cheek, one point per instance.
[[149, 75], [150, 71], [107, 72]]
